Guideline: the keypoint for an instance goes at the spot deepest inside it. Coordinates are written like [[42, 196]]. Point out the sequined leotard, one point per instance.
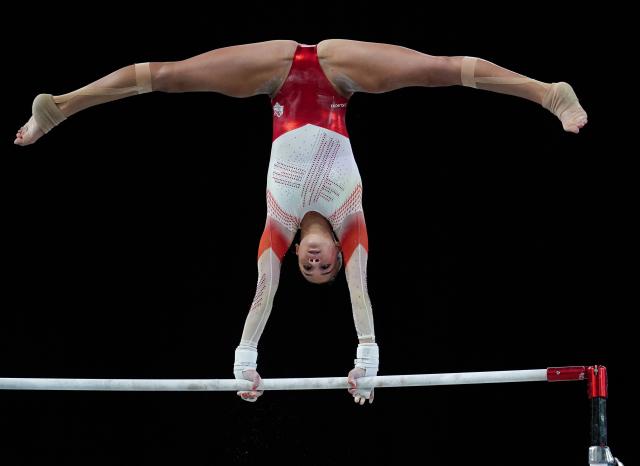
[[312, 168]]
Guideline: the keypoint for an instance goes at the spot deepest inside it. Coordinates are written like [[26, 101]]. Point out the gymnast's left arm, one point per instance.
[[275, 241], [355, 246]]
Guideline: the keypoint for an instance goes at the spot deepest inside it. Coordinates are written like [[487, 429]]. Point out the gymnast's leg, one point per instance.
[[559, 98], [374, 67], [237, 71]]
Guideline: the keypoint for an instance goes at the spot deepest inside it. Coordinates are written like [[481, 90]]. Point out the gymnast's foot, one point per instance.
[[46, 115], [562, 101], [29, 133]]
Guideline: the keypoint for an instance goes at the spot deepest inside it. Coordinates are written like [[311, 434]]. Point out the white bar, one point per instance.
[[414, 380]]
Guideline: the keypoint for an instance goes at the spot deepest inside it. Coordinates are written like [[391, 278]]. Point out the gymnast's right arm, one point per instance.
[[237, 71], [274, 243]]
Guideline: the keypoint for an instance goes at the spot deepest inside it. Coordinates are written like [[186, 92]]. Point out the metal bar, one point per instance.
[[459, 378]]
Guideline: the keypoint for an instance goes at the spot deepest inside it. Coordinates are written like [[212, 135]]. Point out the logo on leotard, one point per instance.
[[338, 105], [278, 110]]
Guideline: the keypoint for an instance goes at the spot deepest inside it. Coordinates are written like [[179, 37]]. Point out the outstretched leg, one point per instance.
[[49, 111], [559, 98], [373, 67], [237, 71]]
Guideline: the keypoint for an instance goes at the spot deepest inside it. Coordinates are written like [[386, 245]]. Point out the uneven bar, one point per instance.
[[412, 380]]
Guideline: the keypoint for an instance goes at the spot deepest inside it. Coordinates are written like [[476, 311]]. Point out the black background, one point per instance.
[[497, 242]]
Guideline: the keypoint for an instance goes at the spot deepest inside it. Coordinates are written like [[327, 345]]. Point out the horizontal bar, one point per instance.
[[413, 380]]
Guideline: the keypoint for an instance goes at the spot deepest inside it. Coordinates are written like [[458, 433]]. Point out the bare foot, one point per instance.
[[29, 133], [562, 101], [49, 113], [573, 118]]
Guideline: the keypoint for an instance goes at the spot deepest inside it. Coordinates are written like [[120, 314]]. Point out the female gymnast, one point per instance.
[[313, 183]]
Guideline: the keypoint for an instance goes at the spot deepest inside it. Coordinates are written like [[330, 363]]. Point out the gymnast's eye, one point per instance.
[[325, 266], [306, 267]]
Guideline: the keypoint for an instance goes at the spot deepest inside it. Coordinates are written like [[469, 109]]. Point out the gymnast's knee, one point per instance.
[[164, 77], [443, 70]]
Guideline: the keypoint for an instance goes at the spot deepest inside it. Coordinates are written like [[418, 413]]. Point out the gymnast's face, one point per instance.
[[318, 258]]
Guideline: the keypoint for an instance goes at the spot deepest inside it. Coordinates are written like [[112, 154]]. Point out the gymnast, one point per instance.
[[313, 183]]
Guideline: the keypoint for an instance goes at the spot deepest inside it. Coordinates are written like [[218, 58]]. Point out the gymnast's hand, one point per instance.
[[252, 376], [366, 363], [359, 395], [244, 368]]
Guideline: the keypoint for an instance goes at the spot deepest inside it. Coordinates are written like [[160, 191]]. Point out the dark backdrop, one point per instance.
[[497, 242]]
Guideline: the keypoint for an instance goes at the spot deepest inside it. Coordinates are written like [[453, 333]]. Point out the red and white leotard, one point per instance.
[[312, 168]]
